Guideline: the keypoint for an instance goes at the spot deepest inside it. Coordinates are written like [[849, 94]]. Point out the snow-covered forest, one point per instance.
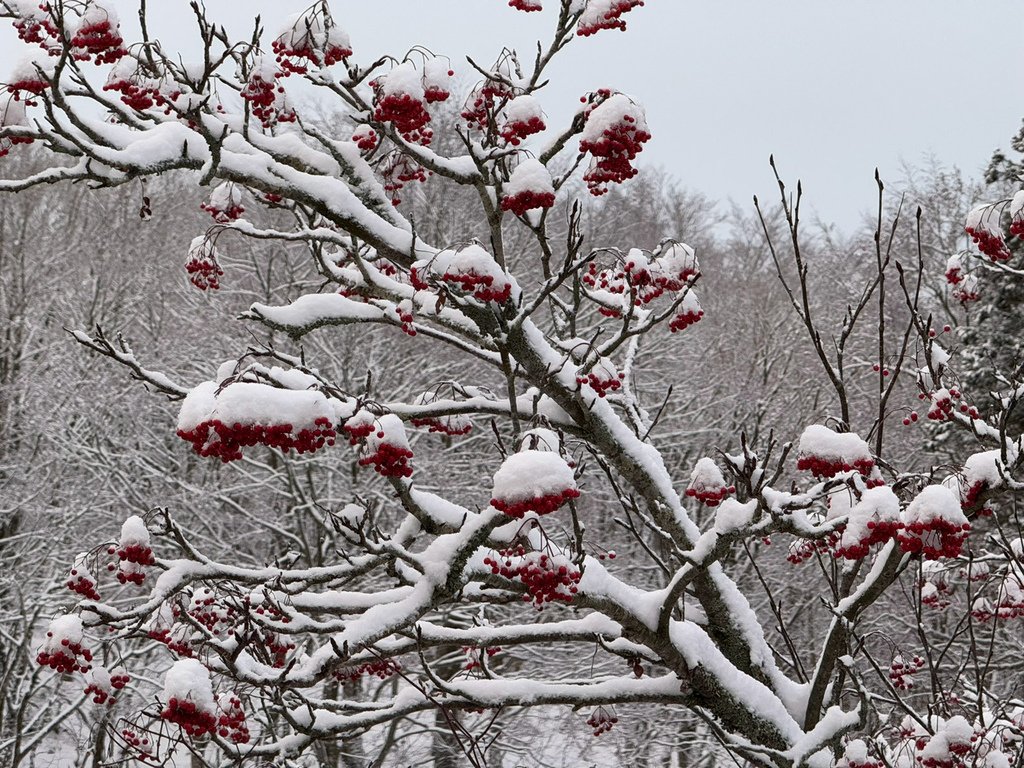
[[356, 413]]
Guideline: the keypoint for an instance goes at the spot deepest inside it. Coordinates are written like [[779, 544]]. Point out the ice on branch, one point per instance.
[[707, 483], [221, 421], [188, 697], [614, 134], [311, 38], [933, 524], [537, 481], [470, 271], [529, 187], [826, 453], [63, 648]]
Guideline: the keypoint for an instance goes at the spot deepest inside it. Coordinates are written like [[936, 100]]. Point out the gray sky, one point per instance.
[[833, 89]]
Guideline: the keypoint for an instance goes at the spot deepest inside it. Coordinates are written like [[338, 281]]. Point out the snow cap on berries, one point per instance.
[[934, 524], [533, 481], [826, 453], [529, 187], [707, 483]]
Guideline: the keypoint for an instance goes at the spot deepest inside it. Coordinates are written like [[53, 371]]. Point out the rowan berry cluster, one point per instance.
[[601, 720], [605, 14], [527, 200], [225, 441], [901, 672], [547, 577], [601, 384], [231, 723], [380, 668], [64, 655], [989, 243], [193, 720], [97, 39]]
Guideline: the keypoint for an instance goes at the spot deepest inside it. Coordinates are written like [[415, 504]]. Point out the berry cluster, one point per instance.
[[65, 656], [266, 98], [294, 53], [802, 550], [525, 5], [875, 532], [474, 657], [380, 668], [601, 720], [605, 14], [204, 272], [388, 459], [231, 723], [82, 583], [359, 427], [602, 385], [278, 646], [482, 287], [484, 102], [177, 641], [685, 319], [26, 86], [365, 138], [406, 318], [514, 131], [39, 29], [613, 154], [396, 171], [408, 114], [97, 39], [542, 505], [989, 243], [436, 81], [710, 496], [933, 538], [225, 441], [194, 721], [829, 466], [135, 742], [527, 200], [967, 290], [225, 203], [901, 672], [453, 426], [140, 96], [547, 578], [102, 686]]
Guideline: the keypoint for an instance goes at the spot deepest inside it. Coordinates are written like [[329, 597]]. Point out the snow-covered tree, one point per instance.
[[428, 601]]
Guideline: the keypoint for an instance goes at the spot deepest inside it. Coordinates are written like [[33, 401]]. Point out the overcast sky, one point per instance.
[[832, 89]]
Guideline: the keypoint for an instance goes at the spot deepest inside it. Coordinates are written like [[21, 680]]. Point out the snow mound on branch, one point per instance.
[[540, 439]]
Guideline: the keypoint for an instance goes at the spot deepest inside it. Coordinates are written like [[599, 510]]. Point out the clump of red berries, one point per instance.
[[547, 577], [193, 720], [601, 720], [225, 441]]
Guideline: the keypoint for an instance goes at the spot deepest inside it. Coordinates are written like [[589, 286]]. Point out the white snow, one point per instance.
[[189, 679], [532, 474]]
